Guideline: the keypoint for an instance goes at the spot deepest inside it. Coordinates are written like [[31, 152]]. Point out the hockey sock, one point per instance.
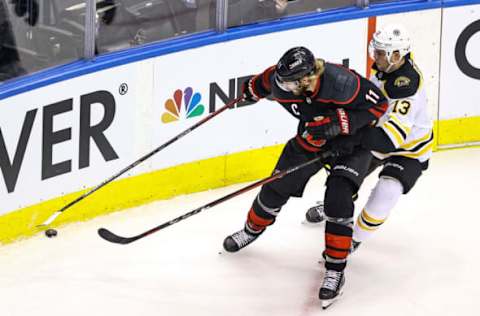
[[380, 203], [338, 240]]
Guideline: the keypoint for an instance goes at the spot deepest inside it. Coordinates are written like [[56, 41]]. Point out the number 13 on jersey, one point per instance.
[[401, 106]]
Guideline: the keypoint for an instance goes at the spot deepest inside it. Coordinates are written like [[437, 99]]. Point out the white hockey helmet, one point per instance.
[[391, 38]]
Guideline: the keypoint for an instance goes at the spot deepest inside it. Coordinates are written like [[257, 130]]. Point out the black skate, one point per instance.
[[240, 239], [315, 214], [355, 245], [331, 289]]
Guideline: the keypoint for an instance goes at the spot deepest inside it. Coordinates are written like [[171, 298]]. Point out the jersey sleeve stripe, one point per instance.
[[403, 126], [375, 112], [416, 154], [420, 148], [254, 87], [306, 146], [428, 137], [379, 110], [382, 107], [323, 121], [288, 100], [266, 78], [399, 129], [394, 135]]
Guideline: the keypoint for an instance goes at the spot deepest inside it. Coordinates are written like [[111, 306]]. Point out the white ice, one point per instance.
[[423, 261]]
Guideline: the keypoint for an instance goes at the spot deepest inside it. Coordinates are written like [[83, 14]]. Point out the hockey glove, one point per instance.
[[247, 90], [27, 9], [330, 126], [317, 142]]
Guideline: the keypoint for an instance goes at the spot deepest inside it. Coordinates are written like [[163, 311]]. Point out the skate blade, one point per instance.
[[307, 223], [327, 303], [224, 252]]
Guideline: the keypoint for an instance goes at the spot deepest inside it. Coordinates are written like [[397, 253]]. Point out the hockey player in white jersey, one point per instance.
[[403, 138]]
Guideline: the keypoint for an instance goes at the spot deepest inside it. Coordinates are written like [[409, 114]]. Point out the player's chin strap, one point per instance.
[[391, 64]]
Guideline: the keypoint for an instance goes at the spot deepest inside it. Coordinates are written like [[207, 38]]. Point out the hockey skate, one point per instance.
[[355, 245], [332, 287], [240, 239], [315, 214]]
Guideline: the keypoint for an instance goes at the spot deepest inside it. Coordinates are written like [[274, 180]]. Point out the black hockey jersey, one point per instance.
[[338, 88]]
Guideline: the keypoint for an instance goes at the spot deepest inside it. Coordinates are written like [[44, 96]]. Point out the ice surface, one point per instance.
[[423, 261]]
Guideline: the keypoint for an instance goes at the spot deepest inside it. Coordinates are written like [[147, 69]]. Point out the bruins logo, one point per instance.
[[402, 81]]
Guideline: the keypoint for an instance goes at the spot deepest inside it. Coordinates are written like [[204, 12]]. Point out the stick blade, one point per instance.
[[111, 237]]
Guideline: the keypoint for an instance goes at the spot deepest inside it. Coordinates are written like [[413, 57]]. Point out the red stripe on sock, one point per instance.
[[341, 243], [257, 222]]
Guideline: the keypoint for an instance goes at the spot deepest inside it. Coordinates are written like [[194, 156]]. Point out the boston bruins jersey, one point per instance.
[[407, 122]]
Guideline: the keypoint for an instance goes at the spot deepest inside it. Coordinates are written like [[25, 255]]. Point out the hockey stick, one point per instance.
[[111, 237], [142, 159]]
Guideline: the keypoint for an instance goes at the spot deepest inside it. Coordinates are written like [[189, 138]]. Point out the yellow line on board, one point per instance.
[[134, 191], [183, 179]]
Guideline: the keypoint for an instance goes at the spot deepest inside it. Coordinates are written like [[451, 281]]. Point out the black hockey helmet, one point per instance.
[[296, 63]]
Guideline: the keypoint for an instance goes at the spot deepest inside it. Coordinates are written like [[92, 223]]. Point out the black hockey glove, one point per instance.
[[248, 93], [330, 126], [27, 9], [317, 142]]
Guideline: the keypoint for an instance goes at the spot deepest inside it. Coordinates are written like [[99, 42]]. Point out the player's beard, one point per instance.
[[305, 85], [299, 91], [382, 66]]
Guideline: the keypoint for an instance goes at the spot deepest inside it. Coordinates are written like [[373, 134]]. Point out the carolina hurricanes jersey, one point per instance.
[[338, 88], [406, 121]]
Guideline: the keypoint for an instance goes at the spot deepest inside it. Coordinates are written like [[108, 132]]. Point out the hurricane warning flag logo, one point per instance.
[[173, 106]]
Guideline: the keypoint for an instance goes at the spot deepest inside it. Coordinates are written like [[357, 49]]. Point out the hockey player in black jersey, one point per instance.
[[402, 141], [332, 103]]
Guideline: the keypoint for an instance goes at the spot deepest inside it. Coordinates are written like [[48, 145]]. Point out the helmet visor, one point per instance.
[[288, 86]]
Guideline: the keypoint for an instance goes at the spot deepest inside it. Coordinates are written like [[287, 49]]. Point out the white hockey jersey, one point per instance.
[[407, 121]]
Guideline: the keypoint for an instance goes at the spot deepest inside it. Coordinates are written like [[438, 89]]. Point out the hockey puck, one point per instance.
[[51, 233]]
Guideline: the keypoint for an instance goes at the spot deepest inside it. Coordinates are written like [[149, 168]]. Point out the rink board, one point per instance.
[[51, 131], [459, 102]]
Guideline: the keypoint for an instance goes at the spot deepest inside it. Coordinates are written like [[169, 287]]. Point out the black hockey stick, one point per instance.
[[111, 237], [142, 159]]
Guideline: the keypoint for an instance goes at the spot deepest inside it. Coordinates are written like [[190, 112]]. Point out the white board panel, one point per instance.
[[68, 136], [460, 64], [424, 28], [254, 126]]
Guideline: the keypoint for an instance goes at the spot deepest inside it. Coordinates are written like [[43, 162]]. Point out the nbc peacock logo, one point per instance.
[[173, 106]]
